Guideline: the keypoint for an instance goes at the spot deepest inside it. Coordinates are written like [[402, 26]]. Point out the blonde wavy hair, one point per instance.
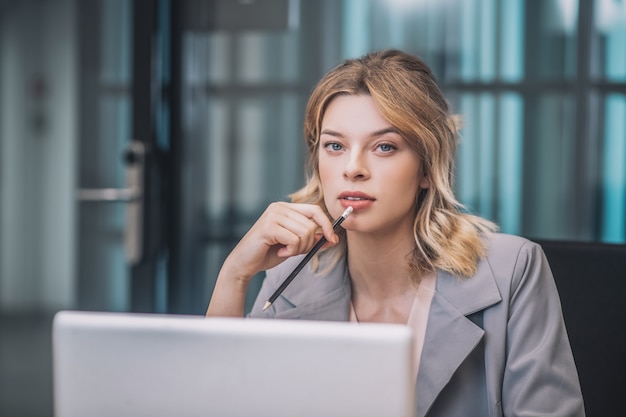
[[407, 95]]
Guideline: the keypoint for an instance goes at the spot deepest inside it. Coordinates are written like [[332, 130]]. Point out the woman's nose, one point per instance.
[[356, 168]]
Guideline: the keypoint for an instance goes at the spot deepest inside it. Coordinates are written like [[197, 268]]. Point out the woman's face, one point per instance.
[[366, 164]]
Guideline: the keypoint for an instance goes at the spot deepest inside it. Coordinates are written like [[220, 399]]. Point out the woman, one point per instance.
[[490, 337]]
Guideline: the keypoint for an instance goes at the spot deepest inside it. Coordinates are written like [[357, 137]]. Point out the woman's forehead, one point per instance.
[[347, 112]]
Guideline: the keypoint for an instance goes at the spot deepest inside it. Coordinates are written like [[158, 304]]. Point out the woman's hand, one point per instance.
[[282, 231]]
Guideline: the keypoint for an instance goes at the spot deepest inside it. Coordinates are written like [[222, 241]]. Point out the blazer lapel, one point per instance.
[[450, 335], [320, 297]]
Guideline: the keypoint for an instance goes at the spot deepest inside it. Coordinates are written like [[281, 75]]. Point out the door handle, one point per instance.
[[132, 195], [113, 195]]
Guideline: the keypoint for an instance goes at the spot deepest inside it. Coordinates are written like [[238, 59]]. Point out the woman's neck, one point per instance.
[[379, 266], [382, 287]]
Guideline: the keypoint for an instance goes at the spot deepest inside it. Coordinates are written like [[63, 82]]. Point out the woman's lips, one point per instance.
[[356, 200]]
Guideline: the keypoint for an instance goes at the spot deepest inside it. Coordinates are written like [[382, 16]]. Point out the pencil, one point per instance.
[[304, 261]]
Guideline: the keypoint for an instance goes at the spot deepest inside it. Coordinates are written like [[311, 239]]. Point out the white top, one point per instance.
[[418, 317]]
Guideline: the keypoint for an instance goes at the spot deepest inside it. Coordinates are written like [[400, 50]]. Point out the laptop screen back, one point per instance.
[[123, 365]]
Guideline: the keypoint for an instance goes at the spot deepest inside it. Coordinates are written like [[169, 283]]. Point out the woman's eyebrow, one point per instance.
[[380, 132], [385, 131], [330, 133]]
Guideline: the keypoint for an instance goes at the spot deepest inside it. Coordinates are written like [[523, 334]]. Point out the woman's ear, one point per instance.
[[424, 182]]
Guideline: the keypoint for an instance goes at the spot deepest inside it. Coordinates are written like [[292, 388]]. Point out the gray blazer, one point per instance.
[[495, 344]]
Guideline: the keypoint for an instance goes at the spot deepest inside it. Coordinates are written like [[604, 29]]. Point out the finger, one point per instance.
[[297, 247], [316, 214], [292, 229], [297, 218], [290, 244], [304, 220], [306, 229]]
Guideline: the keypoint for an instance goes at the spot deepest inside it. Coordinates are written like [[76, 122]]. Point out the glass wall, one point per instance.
[[540, 87]]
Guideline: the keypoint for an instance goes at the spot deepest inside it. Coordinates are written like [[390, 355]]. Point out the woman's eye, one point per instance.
[[386, 147], [333, 146]]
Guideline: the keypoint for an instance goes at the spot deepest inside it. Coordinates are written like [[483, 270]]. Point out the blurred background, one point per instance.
[[140, 139]]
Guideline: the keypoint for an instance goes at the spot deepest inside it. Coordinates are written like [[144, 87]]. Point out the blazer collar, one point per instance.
[[450, 335], [465, 296]]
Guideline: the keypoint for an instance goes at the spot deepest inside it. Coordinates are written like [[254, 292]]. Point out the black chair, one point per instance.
[[591, 279]]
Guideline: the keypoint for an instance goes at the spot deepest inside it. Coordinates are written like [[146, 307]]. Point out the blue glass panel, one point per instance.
[[510, 159], [490, 158], [467, 187], [552, 33], [610, 24], [355, 31], [512, 40], [116, 48], [614, 171], [469, 25], [616, 54], [488, 37], [486, 148], [476, 155], [550, 167]]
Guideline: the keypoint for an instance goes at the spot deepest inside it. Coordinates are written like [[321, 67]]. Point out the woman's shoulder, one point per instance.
[[512, 257], [507, 246]]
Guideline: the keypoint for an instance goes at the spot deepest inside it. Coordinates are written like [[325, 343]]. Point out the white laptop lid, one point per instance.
[[123, 365]]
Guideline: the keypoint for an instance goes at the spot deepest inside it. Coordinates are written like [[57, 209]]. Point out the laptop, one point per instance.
[[135, 365]]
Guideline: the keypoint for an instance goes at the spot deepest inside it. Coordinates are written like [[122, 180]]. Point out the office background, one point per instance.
[[215, 91]]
